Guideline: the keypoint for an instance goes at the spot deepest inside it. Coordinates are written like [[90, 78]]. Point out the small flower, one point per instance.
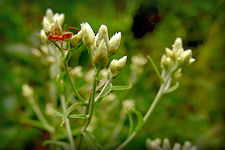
[[102, 34], [77, 72], [116, 66], [88, 35], [76, 39], [101, 55], [36, 52], [156, 145], [27, 91], [43, 36], [114, 43], [128, 105]]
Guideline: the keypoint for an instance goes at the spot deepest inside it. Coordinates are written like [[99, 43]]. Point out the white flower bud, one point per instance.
[[102, 34], [43, 36], [44, 49], [50, 60], [176, 146], [59, 17], [191, 61], [101, 55], [88, 35], [114, 43], [177, 44], [170, 53], [47, 26], [187, 145], [139, 60], [166, 144], [76, 72], [104, 73], [57, 29], [116, 66], [90, 76], [128, 105], [36, 52], [186, 56], [49, 15], [166, 62], [76, 39], [27, 91]]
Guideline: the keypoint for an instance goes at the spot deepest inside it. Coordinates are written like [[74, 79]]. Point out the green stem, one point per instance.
[[67, 122], [149, 112], [89, 109], [40, 115], [97, 99], [65, 66]]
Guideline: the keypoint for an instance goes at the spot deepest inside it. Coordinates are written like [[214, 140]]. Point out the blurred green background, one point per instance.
[[194, 112]]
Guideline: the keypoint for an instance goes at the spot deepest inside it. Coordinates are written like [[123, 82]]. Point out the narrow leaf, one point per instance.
[[60, 143], [119, 88], [140, 118], [78, 116], [155, 68], [131, 124], [173, 88], [91, 139]]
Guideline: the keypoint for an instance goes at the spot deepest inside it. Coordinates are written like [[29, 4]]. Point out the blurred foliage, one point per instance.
[[195, 112]]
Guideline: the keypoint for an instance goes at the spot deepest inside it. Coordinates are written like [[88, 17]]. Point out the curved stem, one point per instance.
[[150, 110], [102, 91], [71, 82], [89, 109], [67, 122]]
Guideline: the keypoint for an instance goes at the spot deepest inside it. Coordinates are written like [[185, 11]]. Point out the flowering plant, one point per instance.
[[80, 103]]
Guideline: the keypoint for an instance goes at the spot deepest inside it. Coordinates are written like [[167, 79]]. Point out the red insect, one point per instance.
[[61, 36]]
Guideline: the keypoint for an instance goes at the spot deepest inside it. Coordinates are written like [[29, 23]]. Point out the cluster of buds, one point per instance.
[[156, 145], [51, 24], [176, 58], [101, 46]]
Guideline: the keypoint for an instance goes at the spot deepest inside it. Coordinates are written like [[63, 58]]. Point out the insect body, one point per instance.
[[61, 36]]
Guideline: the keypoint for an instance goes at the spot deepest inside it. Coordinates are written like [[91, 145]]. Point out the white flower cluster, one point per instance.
[[156, 145], [176, 58], [51, 24], [101, 46]]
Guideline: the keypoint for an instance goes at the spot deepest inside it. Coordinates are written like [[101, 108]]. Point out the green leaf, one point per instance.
[[173, 88], [69, 110], [155, 68], [131, 124], [91, 139], [119, 88], [140, 118], [65, 145], [78, 116]]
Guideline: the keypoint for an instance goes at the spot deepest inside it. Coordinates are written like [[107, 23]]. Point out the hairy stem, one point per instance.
[[67, 122], [150, 110], [89, 109], [40, 115]]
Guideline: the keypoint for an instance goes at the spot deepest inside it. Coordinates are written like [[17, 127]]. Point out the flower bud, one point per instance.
[[186, 56], [50, 60], [47, 26], [178, 73], [49, 15], [104, 73], [36, 52], [27, 91], [170, 53], [44, 49], [166, 144], [187, 145], [43, 36], [57, 29], [76, 39], [176, 146], [102, 34], [114, 43], [88, 35], [116, 66], [177, 44], [59, 17], [166, 62], [101, 55], [128, 105], [191, 61], [76, 72]]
